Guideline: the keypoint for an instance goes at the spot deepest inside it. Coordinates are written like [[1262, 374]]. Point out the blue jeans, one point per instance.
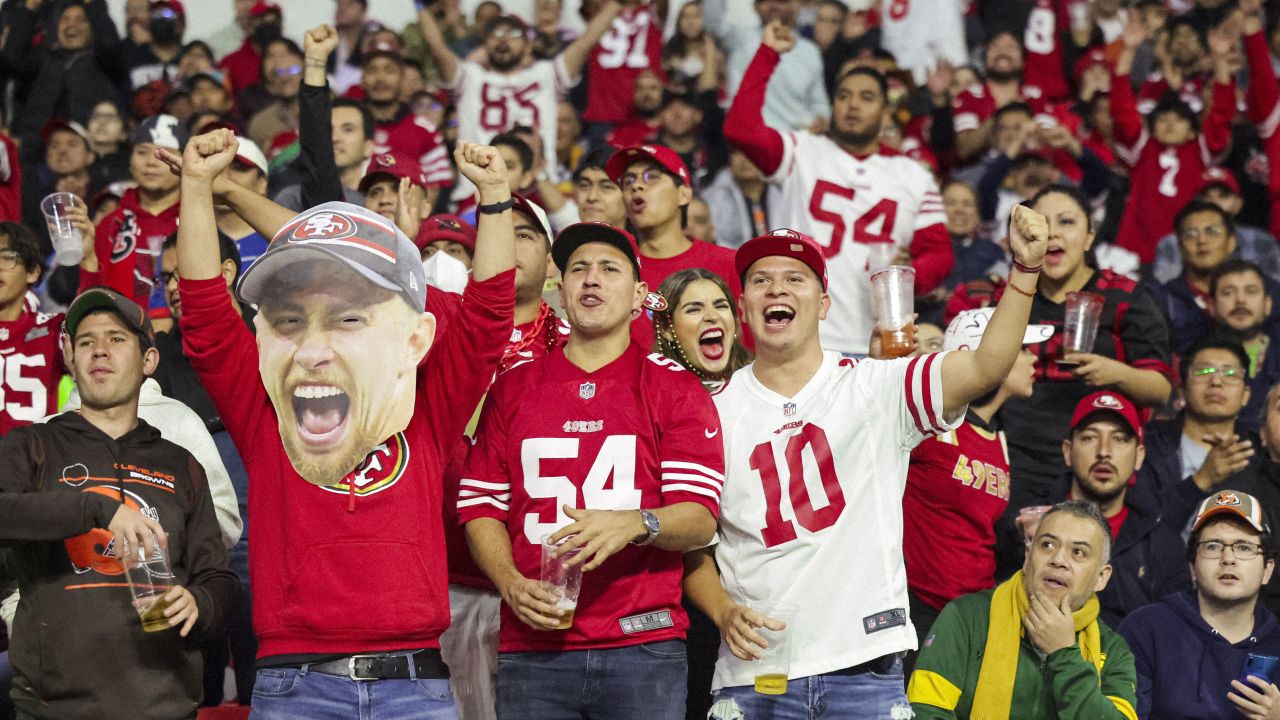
[[293, 693], [868, 696], [640, 682]]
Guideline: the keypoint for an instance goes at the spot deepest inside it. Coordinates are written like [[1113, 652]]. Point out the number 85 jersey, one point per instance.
[[30, 369], [811, 512], [637, 433]]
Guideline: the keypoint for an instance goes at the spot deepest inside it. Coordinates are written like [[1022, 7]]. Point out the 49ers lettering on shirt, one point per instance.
[[639, 432], [30, 369], [811, 512]]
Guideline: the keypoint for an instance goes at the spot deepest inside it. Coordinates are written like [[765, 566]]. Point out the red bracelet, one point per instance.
[[1026, 269], [1019, 290]]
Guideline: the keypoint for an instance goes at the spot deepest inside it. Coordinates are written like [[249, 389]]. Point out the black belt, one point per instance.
[[427, 665], [880, 666]]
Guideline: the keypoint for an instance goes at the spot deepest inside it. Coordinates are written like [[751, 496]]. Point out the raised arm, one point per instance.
[[204, 158], [1124, 111], [446, 61], [967, 375], [262, 214], [1222, 110], [575, 55], [744, 125], [316, 165], [495, 234]]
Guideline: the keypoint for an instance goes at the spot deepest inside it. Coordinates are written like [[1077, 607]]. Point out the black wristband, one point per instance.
[[496, 208]]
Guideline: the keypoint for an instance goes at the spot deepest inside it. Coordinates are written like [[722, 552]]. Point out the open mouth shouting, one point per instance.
[[320, 412], [1054, 254], [711, 343], [778, 317]]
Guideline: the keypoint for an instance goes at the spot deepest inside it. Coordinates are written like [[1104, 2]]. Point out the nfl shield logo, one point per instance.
[[789, 409], [587, 390]]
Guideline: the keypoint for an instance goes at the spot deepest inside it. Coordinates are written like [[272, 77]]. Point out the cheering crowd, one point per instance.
[[363, 330]]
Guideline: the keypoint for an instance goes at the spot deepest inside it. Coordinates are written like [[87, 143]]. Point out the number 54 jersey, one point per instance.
[[639, 432], [811, 512]]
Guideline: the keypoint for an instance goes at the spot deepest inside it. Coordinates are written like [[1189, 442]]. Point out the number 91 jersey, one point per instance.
[[30, 369], [639, 432], [811, 512], [847, 204]]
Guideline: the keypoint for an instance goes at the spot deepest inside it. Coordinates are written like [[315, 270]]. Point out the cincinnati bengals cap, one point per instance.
[[660, 154], [443, 226], [579, 234], [361, 239], [104, 298], [782, 241], [1112, 402], [966, 330], [1234, 503]]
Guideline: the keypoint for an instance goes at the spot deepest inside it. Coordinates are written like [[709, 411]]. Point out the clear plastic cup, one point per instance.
[[880, 255], [68, 245], [1080, 322], [774, 664], [150, 578], [893, 296], [563, 581]]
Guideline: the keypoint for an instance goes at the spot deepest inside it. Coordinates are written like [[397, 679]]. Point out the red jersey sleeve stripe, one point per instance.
[[911, 394], [930, 413]]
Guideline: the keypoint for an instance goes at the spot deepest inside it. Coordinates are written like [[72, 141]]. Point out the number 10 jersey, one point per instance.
[[811, 511]]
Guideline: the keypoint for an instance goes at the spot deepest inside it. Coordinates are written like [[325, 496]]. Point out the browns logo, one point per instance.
[[325, 226], [380, 469], [93, 550]]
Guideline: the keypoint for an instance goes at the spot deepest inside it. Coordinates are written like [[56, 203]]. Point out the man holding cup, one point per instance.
[[813, 482], [78, 495], [611, 458]]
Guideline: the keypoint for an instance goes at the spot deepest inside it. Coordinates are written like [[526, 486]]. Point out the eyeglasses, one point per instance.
[[648, 177], [1228, 375], [289, 71], [9, 259], [167, 277], [1213, 549], [1213, 231], [507, 32]]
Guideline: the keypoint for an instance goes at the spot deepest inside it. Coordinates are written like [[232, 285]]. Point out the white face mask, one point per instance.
[[446, 272]]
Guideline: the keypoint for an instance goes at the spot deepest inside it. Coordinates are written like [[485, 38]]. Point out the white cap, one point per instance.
[[965, 332], [249, 152]]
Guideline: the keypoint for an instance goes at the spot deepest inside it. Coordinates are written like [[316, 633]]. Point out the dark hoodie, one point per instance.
[[78, 647], [1185, 667]]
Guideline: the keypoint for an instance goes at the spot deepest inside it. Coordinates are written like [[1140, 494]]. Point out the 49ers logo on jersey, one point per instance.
[[380, 469], [126, 239], [95, 550], [325, 226]]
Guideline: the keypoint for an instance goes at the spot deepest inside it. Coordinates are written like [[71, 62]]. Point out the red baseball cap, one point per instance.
[[579, 234], [660, 154], [446, 227], [785, 242], [1219, 176], [1095, 56], [394, 164], [1112, 402], [172, 5], [262, 7]]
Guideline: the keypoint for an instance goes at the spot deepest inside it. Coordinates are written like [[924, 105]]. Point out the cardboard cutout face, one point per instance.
[[338, 357]]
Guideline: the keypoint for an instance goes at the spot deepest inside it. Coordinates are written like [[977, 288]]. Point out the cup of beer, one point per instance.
[[774, 663], [67, 244], [563, 581], [893, 292], [1080, 321], [150, 578]]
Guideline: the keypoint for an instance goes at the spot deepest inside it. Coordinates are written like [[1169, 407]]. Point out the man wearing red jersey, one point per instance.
[[1168, 154], [373, 540], [974, 108], [656, 189], [620, 457], [631, 45], [396, 128]]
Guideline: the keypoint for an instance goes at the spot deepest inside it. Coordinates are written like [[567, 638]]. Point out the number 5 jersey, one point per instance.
[[811, 512], [30, 368]]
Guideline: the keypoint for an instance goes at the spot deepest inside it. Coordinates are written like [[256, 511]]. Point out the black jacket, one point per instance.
[[78, 648], [1162, 475]]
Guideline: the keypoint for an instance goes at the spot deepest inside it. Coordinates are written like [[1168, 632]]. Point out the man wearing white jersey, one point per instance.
[[816, 454], [845, 189]]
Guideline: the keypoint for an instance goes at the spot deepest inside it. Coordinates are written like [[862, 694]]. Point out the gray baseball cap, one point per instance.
[[361, 239]]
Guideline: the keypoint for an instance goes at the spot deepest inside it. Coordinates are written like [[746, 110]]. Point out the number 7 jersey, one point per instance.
[[848, 203], [811, 511]]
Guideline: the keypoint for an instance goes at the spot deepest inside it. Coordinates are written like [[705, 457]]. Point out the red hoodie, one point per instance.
[[333, 573]]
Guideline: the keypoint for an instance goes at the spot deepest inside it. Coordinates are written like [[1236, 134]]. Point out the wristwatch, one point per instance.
[[651, 526]]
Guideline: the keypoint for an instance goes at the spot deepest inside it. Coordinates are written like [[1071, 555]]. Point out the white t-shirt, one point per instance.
[[847, 203], [828, 542]]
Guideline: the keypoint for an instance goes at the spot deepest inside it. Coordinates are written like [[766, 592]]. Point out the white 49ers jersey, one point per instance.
[[811, 510], [847, 204], [490, 102]]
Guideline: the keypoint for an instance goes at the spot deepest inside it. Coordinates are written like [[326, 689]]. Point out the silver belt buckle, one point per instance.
[[351, 667]]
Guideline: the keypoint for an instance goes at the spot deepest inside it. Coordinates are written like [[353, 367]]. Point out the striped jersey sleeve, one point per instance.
[[484, 490], [921, 392]]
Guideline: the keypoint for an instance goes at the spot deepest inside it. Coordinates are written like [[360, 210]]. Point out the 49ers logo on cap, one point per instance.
[[325, 226], [1110, 402], [379, 470]]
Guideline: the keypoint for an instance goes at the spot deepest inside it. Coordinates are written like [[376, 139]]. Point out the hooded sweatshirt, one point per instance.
[[1185, 667], [78, 648]]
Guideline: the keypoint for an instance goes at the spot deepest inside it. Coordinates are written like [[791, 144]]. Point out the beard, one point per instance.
[[1004, 76], [505, 63], [855, 139], [1101, 495], [1240, 336]]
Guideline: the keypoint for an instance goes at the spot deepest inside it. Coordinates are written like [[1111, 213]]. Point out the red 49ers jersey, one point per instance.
[[847, 203], [30, 369], [632, 44], [957, 486], [414, 137], [638, 433], [1042, 43]]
